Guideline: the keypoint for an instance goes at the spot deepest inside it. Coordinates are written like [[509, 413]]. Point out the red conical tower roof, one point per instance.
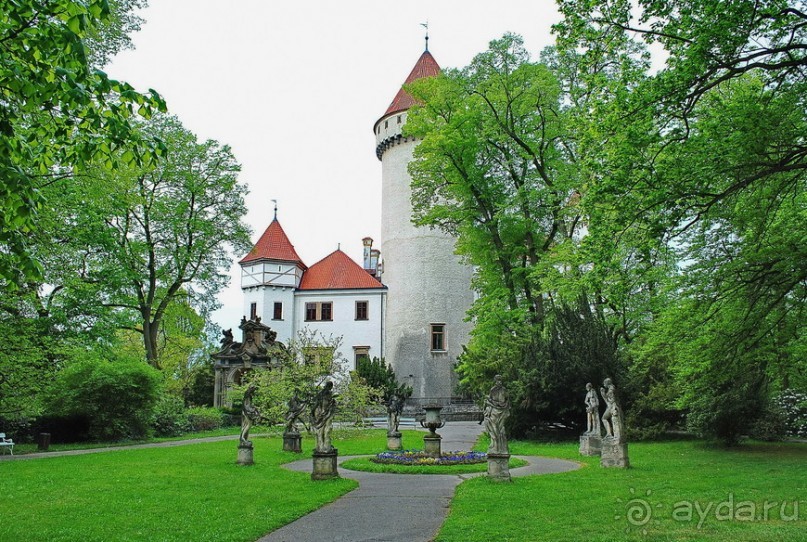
[[274, 244], [337, 271], [426, 66]]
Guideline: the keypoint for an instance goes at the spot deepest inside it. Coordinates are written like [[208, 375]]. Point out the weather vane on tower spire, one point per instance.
[[275, 201], [426, 26]]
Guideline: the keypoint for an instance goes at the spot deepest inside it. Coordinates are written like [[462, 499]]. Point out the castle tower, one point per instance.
[[429, 288], [270, 274]]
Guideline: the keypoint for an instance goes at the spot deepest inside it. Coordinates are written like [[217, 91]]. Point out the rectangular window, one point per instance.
[[361, 353], [438, 334], [310, 311], [253, 311], [361, 310], [278, 311], [315, 312]]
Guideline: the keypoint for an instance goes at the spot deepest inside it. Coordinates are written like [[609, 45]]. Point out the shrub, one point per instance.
[[170, 417], [117, 398], [204, 418]]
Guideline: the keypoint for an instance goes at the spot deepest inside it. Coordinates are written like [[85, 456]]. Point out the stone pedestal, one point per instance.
[[499, 467], [292, 442], [325, 465], [614, 453], [245, 454], [431, 445], [590, 444], [394, 441]]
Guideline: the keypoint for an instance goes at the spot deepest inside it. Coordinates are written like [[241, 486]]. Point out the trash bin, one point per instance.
[[43, 443]]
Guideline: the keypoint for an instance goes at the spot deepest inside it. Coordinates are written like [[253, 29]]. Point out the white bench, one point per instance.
[[7, 443]]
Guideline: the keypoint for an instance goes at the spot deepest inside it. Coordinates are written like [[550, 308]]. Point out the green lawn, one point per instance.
[[681, 484], [186, 493], [197, 493]]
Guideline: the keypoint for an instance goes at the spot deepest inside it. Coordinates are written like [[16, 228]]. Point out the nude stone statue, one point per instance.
[[592, 411], [612, 418], [293, 412], [394, 408], [322, 413], [249, 416], [497, 410]]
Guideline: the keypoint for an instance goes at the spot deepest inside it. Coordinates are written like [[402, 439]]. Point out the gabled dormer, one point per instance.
[[272, 261]]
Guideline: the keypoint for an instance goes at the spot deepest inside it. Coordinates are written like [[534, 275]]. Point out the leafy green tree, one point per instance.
[[707, 157], [144, 239], [497, 168], [494, 168], [58, 113]]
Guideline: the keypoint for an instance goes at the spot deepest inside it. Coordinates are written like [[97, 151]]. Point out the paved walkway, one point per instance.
[[84, 451], [396, 507]]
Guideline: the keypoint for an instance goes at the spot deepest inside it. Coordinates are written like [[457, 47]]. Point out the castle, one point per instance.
[[409, 308]]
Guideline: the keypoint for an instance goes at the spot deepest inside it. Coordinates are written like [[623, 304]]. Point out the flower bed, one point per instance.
[[419, 457]]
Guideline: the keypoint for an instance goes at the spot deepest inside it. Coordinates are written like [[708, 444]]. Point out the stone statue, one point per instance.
[[497, 410], [612, 418], [394, 408], [322, 414], [295, 409], [592, 411], [249, 416]]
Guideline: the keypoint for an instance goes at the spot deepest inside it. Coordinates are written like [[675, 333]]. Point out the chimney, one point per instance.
[[374, 255], [368, 244]]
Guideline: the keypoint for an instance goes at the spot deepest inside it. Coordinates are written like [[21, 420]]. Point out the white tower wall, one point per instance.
[[427, 282]]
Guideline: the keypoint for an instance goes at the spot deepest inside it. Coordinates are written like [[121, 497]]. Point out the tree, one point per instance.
[[58, 113], [494, 168], [497, 167], [380, 376], [144, 238], [708, 157], [304, 366]]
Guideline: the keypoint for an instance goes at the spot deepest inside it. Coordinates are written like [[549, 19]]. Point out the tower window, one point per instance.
[[399, 119], [315, 312], [361, 310], [277, 313], [438, 336], [386, 124], [253, 311]]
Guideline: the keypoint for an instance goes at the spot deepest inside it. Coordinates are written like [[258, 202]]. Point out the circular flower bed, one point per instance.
[[419, 457]]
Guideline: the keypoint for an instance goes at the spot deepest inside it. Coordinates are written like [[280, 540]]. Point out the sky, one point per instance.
[[295, 88]]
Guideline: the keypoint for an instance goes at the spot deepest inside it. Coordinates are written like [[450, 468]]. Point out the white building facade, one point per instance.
[[335, 297]]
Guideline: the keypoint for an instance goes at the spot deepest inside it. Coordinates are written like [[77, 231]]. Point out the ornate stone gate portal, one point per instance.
[[257, 349]]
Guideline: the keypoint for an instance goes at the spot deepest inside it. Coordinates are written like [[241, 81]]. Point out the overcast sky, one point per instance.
[[295, 88]]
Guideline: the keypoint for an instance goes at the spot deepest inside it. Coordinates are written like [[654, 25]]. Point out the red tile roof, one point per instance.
[[274, 245], [337, 272], [426, 66]]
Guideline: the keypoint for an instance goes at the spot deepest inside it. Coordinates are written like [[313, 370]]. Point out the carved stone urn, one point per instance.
[[432, 422]]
